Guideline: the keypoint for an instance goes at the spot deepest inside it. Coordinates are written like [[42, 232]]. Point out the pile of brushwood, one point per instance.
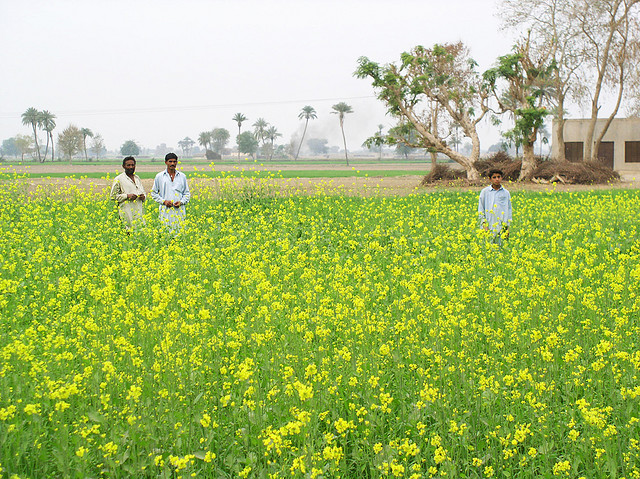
[[547, 171]]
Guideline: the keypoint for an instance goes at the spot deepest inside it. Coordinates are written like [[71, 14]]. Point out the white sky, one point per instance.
[[156, 71]]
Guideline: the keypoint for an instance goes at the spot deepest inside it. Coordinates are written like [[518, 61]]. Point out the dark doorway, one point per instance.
[[605, 153], [573, 150]]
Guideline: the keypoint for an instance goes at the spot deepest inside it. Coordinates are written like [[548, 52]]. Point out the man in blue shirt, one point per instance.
[[494, 208], [171, 192]]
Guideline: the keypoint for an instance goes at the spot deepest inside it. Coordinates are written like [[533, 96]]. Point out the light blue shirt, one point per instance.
[[176, 190], [494, 208]]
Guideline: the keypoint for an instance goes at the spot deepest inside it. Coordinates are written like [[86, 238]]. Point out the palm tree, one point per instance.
[[272, 133], [85, 133], [32, 117], [341, 109], [205, 140], [260, 131], [239, 118], [48, 123], [308, 113]]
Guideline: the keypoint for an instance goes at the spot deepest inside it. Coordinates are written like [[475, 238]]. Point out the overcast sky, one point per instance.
[[156, 71]]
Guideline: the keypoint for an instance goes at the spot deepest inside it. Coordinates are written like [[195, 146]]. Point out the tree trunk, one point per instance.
[[51, 134], [302, 139], [528, 161], [434, 159], [559, 133], [35, 137], [345, 142]]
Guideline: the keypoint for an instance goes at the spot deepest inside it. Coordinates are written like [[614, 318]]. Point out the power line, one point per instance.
[[163, 109]]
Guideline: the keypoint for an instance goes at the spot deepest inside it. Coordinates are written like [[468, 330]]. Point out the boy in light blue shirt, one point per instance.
[[494, 208]]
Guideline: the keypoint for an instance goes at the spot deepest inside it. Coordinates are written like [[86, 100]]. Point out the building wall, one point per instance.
[[620, 131]]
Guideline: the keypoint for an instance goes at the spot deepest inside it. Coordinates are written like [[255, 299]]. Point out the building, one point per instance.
[[620, 147]]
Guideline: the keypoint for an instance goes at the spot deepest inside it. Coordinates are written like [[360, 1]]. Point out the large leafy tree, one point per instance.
[[48, 124], [247, 143], [520, 83], [444, 75], [86, 132], [24, 144], [239, 118], [31, 117], [219, 139], [70, 141], [307, 113], [553, 31], [341, 109], [129, 148], [9, 147]]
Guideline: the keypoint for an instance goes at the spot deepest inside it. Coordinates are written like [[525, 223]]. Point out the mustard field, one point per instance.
[[323, 336]]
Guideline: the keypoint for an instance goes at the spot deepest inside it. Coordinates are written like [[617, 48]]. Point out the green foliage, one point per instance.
[[70, 141], [129, 148], [247, 143]]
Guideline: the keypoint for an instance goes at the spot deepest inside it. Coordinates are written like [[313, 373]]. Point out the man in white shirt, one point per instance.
[[171, 192], [128, 192], [494, 208]]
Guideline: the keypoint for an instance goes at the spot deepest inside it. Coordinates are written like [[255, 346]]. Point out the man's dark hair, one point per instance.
[[127, 159], [493, 171], [170, 156]]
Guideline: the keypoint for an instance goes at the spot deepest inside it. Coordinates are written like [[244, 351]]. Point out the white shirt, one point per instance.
[[494, 208], [164, 188]]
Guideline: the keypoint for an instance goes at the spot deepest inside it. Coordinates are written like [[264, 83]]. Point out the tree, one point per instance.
[[272, 134], [48, 123], [70, 141], [85, 133], [204, 140], [611, 48], [247, 143], [219, 139], [524, 94], [341, 109], [32, 117], [554, 30], [97, 145], [444, 75], [318, 146], [239, 118], [129, 148], [24, 144], [9, 147], [186, 144], [260, 130], [307, 113]]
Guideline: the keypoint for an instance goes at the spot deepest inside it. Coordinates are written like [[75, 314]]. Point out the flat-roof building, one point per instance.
[[619, 149]]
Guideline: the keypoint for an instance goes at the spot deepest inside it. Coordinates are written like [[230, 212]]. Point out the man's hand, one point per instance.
[[485, 227], [168, 203], [141, 197], [131, 196], [176, 204]]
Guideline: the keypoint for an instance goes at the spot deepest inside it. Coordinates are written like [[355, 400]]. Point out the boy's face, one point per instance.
[[496, 180]]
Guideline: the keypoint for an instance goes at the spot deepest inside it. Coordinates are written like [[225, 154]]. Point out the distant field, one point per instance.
[[249, 174]]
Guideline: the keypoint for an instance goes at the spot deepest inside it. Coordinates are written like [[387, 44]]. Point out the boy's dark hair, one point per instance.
[[493, 171], [170, 156], [128, 158]]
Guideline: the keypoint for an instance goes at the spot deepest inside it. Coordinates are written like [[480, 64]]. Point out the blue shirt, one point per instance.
[[494, 208], [165, 189]]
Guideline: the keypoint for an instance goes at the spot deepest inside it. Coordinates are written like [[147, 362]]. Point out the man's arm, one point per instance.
[[116, 193], [186, 194], [155, 191], [482, 220]]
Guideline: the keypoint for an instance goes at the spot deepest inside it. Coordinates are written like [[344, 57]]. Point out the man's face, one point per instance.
[[171, 164], [129, 167], [496, 180]]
